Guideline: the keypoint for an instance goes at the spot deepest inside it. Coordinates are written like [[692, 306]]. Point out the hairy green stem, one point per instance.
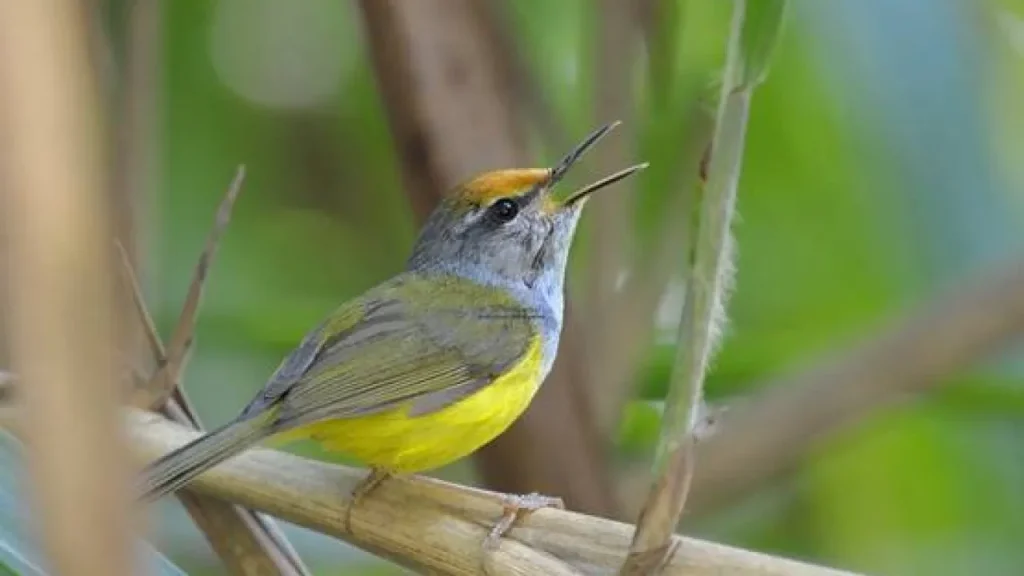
[[753, 34]]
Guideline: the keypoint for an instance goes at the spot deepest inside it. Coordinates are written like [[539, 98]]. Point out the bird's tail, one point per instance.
[[178, 468]]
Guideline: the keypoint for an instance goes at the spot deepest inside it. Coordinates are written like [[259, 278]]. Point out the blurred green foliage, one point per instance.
[[883, 161]]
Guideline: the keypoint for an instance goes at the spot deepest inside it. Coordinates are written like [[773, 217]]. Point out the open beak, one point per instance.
[[560, 169], [603, 182]]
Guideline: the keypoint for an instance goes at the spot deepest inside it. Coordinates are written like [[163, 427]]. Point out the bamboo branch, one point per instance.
[[432, 526], [707, 288], [772, 432], [62, 312]]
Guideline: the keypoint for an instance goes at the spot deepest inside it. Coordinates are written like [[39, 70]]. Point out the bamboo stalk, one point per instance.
[[432, 526], [62, 312]]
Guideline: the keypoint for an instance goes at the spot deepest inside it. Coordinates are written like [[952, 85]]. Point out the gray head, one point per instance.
[[505, 228]]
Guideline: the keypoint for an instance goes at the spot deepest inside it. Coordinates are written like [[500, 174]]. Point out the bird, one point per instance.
[[434, 363]]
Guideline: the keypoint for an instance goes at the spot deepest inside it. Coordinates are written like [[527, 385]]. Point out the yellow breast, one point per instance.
[[394, 441]]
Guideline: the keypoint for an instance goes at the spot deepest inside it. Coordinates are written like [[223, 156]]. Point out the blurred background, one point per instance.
[[884, 169]]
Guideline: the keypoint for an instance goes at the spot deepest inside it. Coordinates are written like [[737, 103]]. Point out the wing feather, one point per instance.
[[389, 352]]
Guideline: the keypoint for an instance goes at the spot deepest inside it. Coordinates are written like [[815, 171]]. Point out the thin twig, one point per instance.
[[131, 280], [707, 288], [167, 377]]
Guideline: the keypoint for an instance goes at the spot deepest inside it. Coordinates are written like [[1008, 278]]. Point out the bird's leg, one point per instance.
[[514, 506], [364, 487]]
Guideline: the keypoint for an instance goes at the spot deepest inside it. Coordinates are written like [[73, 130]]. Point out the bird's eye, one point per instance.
[[504, 210]]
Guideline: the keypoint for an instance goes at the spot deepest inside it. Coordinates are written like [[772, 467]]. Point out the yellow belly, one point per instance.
[[394, 441]]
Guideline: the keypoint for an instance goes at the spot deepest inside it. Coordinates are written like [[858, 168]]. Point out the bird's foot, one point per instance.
[[515, 506], [372, 481]]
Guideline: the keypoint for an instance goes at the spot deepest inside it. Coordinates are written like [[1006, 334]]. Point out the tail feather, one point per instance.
[[178, 468]]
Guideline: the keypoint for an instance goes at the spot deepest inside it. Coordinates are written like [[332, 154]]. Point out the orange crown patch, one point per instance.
[[492, 185]]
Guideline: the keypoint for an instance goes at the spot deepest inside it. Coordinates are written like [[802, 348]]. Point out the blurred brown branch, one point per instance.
[[433, 526], [615, 46], [533, 103], [772, 432], [449, 109], [450, 106], [62, 311], [136, 82]]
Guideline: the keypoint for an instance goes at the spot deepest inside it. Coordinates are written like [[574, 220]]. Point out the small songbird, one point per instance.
[[434, 363]]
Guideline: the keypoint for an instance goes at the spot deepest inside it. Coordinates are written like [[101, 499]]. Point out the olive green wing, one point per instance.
[[427, 343]]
